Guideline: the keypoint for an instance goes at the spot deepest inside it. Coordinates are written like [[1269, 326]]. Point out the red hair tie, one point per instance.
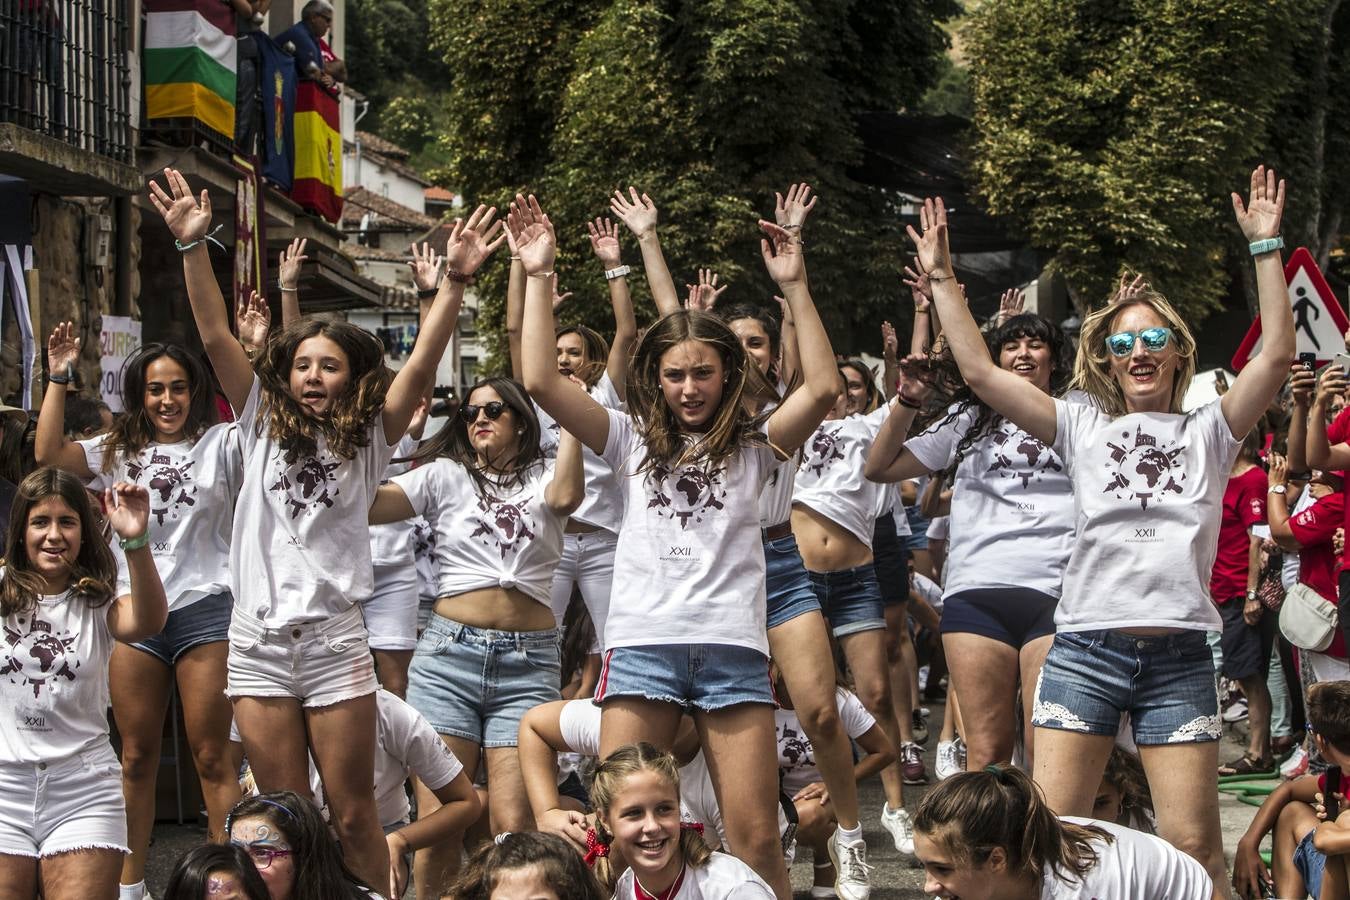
[[692, 826], [595, 848]]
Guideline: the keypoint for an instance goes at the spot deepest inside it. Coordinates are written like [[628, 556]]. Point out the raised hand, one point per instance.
[[1302, 384], [930, 241], [703, 296], [1331, 384], [289, 263], [915, 380], [426, 267], [920, 288], [782, 252], [890, 346], [784, 309], [532, 233], [558, 299], [128, 509], [1010, 304], [63, 348], [188, 217], [1260, 217], [1129, 288], [605, 242], [472, 242], [252, 320], [1279, 469], [639, 213], [791, 211]]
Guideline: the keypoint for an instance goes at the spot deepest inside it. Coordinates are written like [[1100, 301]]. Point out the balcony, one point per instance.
[[65, 95]]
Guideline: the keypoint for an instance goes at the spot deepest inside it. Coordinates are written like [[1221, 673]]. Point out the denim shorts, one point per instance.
[[1166, 683], [851, 600], [391, 611], [1311, 863], [707, 677], [890, 560], [917, 539], [203, 621], [1013, 616], [477, 683], [788, 590], [62, 805], [318, 663]]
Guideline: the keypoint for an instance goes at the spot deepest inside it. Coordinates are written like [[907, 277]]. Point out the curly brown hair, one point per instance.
[[347, 427]]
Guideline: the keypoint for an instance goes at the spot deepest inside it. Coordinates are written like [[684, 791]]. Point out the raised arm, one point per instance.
[[1302, 385], [515, 299], [925, 319], [640, 214], [605, 242], [1321, 454], [802, 411], [253, 320], [471, 243], [288, 279], [1012, 303], [391, 504], [1259, 380], [189, 219], [1015, 398], [567, 403], [135, 616], [890, 348], [51, 445], [889, 460]]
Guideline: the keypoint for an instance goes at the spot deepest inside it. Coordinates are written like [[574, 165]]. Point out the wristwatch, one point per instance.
[[1278, 489], [1251, 595], [619, 272]]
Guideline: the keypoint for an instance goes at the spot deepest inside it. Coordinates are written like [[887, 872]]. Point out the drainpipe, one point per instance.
[[356, 136], [122, 260]]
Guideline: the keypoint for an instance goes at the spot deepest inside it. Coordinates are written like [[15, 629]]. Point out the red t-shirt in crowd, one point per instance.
[[1244, 505], [1313, 529], [1338, 432]]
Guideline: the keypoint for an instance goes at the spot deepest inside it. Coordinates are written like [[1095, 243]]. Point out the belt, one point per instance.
[[776, 532]]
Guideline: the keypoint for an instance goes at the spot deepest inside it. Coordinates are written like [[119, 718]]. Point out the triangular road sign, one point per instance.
[[1320, 322]]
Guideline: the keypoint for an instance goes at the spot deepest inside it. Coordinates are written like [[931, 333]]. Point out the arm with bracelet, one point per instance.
[[604, 237]]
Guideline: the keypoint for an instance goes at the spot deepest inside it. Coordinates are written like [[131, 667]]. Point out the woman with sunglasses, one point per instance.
[[168, 442], [490, 653], [1148, 483]]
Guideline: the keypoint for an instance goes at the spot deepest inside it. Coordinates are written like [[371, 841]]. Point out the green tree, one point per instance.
[[1110, 134], [709, 106]]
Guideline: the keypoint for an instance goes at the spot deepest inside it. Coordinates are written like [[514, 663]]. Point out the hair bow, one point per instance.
[[696, 827], [596, 847]]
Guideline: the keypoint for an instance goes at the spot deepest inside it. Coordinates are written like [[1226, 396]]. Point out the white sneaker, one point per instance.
[[948, 760], [901, 827], [1296, 765], [853, 879]]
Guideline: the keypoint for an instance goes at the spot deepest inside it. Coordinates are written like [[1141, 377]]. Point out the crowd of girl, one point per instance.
[[679, 509]]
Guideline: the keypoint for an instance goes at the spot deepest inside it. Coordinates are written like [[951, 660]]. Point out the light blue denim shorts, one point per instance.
[[707, 677]]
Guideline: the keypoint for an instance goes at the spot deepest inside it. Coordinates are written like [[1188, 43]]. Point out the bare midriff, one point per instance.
[[825, 545], [496, 608]]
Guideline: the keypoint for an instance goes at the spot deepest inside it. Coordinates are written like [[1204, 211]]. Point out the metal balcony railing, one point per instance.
[[65, 72]]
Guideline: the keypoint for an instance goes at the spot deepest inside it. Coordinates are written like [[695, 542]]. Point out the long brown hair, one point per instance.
[[730, 426], [347, 428], [606, 784], [1092, 367], [452, 441], [558, 862], [972, 813], [133, 430], [93, 572]]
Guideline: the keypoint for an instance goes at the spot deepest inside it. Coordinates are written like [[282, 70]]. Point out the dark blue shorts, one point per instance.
[[204, 621], [787, 588], [890, 560], [1013, 616], [851, 600]]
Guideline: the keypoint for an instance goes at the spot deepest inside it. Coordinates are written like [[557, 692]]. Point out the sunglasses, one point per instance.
[[493, 410], [1122, 342]]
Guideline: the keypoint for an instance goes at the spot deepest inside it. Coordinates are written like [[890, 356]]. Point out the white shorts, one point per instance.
[[391, 611], [318, 663], [69, 804], [588, 562]]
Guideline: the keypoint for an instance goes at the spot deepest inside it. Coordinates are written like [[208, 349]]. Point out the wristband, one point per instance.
[[617, 272], [60, 379], [183, 248], [549, 274], [285, 287], [1266, 246], [458, 277], [136, 543], [906, 402], [427, 293]]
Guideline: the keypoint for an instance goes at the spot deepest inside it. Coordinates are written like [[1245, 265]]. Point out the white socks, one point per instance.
[[849, 835], [131, 891]]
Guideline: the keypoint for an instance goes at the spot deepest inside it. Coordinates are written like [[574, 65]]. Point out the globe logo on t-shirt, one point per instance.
[[823, 450], [171, 487], [503, 525], [685, 494], [307, 485], [38, 656], [1017, 454], [1144, 470]]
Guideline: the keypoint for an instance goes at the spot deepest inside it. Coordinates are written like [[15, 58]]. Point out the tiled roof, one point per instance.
[[385, 213], [439, 195], [379, 145]]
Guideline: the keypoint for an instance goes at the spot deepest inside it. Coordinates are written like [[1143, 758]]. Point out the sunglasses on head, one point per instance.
[[1122, 342], [493, 410]]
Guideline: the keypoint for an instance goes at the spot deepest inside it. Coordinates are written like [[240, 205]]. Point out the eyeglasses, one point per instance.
[[469, 411], [1122, 342], [262, 856]]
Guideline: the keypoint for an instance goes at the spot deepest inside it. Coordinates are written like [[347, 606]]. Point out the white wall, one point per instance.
[[380, 180]]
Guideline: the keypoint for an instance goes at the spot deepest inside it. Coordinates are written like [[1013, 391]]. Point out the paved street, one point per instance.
[[893, 878]]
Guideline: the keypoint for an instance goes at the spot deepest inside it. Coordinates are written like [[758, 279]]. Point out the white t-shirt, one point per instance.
[[300, 549], [1134, 864], [796, 755], [929, 590], [424, 555], [54, 680], [507, 539], [391, 544], [603, 504], [1012, 511], [940, 527], [192, 486], [830, 479], [775, 501], [899, 514], [689, 567], [1148, 492], [722, 877]]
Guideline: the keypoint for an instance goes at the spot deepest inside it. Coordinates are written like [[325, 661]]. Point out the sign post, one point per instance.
[[1320, 322]]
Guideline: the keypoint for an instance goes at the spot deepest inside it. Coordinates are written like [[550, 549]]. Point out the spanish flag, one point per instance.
[[318, 151], [189, 60]]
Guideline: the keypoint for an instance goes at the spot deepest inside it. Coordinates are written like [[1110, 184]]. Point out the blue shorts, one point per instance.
[[203, 621], [851, 600], [917, 539], [1013, 616], [890, 560], [1311, 863], [707, 677], [787, 589], [476, 683], [1166, 683]]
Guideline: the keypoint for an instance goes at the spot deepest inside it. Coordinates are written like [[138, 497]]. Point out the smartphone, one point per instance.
[[1342, 360], [1309, 360], [1329, 801]]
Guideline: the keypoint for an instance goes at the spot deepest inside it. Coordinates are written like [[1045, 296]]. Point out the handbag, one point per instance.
[[1307, 619], [1270, 589]]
